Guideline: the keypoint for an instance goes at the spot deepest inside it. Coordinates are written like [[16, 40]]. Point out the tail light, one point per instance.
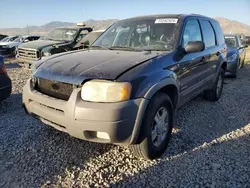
[[2, 66], [3, 69]]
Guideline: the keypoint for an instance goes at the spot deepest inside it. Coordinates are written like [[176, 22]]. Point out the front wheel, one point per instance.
[[243, 63], [215, 93], [156, 128]]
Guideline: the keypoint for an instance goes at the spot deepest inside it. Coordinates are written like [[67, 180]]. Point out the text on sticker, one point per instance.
[[166, 20]]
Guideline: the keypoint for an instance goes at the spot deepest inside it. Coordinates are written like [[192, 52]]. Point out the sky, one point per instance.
[[20, 13]]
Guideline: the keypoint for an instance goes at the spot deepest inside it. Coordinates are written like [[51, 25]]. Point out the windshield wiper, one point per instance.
[[149, 50], [101, 47], [124, 47]]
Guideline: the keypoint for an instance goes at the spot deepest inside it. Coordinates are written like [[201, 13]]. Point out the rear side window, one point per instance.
[[219, 33], [192, 32], [208, 33], [36, 38]]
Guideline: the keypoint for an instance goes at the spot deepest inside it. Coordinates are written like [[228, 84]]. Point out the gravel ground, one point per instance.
[[209, 147]]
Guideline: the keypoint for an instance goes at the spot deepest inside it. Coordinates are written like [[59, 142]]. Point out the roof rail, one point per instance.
[[193, 14]]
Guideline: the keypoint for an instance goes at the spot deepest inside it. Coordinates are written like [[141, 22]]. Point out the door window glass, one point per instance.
[[208, 34], [192, 32]]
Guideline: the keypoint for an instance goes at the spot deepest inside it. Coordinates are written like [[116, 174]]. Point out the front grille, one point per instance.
[[29, 54], [54, 89]]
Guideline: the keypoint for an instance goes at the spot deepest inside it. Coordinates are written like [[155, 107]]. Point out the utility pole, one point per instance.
[[28, 30]]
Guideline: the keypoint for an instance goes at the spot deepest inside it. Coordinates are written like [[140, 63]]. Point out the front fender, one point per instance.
[[156, 82], [158, 86]]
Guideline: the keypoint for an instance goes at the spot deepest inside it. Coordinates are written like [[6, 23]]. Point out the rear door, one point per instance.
[[211, 53], [191, 65]]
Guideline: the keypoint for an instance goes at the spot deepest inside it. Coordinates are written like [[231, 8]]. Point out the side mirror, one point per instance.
[[194, 46], [26, 40]]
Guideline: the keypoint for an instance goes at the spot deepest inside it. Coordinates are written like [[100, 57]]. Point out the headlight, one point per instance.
[[5, 46], [232, 57], [105, 91], [46, 54], [33, 82]]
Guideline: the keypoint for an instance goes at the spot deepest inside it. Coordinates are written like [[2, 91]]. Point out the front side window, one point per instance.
[[192, 32], [239, 41], [208, 33], [91, 37], [81, 35], [143, 34], [19, 39], [231, 42], [62, 35]]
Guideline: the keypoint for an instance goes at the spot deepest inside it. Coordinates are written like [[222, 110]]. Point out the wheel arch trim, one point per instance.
[[150, 93]]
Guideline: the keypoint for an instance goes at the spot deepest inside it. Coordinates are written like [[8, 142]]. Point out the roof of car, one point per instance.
[[179, 16], [73, 27], [25, 36], [231, 35], [101, 30]]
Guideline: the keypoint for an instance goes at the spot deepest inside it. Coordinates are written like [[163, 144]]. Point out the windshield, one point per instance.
[[8, 39], [143, 34], [231, 42], [19, 39], [5, 39], [62, 35]]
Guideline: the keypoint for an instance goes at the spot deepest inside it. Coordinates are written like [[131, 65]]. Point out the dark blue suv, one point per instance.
[[126, 87]]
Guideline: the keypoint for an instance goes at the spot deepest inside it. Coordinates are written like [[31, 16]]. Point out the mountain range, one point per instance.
[[228, 26]]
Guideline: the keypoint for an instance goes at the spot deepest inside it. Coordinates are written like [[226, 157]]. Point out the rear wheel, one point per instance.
[[215, 93], [234, 75], [156, 128]]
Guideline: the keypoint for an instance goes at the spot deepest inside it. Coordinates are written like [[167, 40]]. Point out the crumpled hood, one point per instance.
[[231, 51], [75, 67], [40, 44]]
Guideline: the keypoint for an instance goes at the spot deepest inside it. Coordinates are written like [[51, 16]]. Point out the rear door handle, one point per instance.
[[203, 59]]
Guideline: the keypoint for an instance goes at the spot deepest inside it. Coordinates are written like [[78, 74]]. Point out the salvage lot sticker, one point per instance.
[[166, 20]]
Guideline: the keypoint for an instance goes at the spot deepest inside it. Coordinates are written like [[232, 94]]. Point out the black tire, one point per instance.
[[213, 95], [27, 66], [145, 147], [234, 75], [243, 63]]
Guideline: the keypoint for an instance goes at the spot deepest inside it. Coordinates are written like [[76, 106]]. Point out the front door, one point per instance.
[[191, 65]]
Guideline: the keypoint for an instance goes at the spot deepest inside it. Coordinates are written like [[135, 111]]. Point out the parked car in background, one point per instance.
[[5, 82], [6, 40], [57, 41], [247, 40], [235, 55], [126, 88], [2, 36], [84, 43], [9, 49]]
